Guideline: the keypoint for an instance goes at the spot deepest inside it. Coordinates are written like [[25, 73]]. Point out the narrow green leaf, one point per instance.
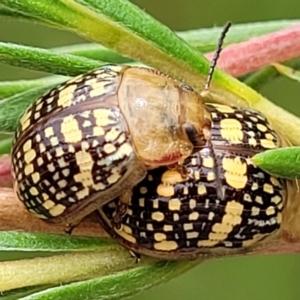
[[5, 145], [64, 268], [93, 51], [45, 60], [7, 12], [11, 88], [24, 241], [20, 293], [265, 75], [117, 286], [288, 72], [282, 162]]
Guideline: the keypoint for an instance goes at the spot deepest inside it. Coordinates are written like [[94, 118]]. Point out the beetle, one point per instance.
[[95, 136], [226, 205]]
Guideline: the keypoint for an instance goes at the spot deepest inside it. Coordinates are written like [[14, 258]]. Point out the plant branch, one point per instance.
[[13, 216]]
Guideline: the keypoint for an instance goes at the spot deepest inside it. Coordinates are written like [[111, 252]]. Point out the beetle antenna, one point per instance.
[[216, 55]]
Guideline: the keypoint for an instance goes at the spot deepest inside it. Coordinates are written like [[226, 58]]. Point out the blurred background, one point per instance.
[[243, 278]]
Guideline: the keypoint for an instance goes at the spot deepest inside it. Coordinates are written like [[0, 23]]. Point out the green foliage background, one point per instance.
[[246, 278]]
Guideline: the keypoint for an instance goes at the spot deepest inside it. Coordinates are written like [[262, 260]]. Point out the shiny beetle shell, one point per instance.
[[225, 204], [92, 138]]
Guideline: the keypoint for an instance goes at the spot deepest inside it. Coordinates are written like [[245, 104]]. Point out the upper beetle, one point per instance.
[[94, 137]]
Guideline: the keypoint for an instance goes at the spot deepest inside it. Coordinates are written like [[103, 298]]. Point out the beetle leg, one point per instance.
[[69, 228], [121, 208]]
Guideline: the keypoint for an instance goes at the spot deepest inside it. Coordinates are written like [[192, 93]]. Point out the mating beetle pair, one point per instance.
[[170, 176]]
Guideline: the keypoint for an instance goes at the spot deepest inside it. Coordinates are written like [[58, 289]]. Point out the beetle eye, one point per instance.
[[193, 135], [187, 87]]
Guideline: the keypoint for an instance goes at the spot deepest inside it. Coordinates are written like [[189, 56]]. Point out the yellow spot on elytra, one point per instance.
[[98, 131], [48, 204], [33, 191], [274, 181], [35, 177], [222, 228], [166, 246], [193, 203], [149, 227], [261, 127], [125, 150], [231, 129], [54, 141], [27, 146], [188, 226], [236, 181], [276, 199], [112, 135], [70, 130], [114, 177], [126, 236], [224, 108], [98, 89], [57, 210], [103, 117], [168, 228], [236, 170], [109, 148], [155, 203], [174, 204], [59, 152], [208, 162], [259, 199], [270, 136], [127, 229], [165, 190], [99, 186], [230, 124], [219, 236], [192, 235], [85, 163], [234, 208], [201, 190], [28, 169], [193, 216], [48, 131], [232, 220], [211, 176], [45, 196], [279, 218], [268, 144], [252, 142], [66, 95], [268, 188], [29, 156], [175, 217], [172, 177], [82, 193], [25, 124], [141, 202], [270, 211], [160, 237], [207, 243], [210, 215], [255, 211], [185, 190], [39, 106], [157, 216]]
